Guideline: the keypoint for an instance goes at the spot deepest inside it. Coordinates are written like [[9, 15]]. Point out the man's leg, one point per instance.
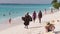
[[40, 20], [27, 27]]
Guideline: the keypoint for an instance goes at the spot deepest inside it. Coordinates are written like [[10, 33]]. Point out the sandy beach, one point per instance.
[[17, 26]]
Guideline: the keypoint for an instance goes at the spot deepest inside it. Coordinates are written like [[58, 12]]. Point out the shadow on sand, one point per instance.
[[35, 27]]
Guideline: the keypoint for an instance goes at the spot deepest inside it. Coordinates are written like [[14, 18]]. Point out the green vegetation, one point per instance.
[[54, 1], [55, 4]]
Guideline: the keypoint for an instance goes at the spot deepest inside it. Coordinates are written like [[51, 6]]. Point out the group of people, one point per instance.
[[28, 18], [49, 27], [35, 15]]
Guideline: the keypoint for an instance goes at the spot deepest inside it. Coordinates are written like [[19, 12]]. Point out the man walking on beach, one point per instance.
[[40, 16], [26, 20]]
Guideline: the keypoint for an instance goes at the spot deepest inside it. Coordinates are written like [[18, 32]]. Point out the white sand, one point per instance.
[[17, 26]]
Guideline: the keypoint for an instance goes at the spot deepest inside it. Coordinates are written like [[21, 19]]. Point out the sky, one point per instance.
[[27, 1]]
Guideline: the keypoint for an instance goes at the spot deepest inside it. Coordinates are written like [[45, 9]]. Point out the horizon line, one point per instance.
[[10, 3]]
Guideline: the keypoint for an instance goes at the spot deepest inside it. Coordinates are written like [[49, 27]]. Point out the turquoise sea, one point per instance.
[[19, 9]]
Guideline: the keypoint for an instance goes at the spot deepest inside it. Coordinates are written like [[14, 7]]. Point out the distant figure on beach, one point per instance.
[[40, 16], [51, 10], [34, 16], [10, 20], [45, 11], [50, 27], [26, 20]]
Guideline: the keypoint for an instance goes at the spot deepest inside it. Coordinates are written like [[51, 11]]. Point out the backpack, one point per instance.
[[30, 18], [23, 18]]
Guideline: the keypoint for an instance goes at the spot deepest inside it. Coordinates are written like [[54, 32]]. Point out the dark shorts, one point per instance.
[[26, 23]]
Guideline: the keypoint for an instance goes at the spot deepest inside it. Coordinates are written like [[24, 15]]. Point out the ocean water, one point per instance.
[[19, 9]]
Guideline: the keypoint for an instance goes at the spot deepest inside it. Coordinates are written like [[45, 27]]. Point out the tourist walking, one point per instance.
[[34, 16], [40, 16], [26, 20]]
